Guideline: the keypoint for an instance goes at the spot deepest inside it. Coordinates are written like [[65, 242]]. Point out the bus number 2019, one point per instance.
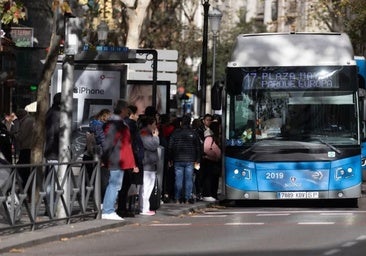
[[274, 175]]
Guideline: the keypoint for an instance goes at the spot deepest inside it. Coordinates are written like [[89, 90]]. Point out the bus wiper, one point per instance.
[[329, 145]]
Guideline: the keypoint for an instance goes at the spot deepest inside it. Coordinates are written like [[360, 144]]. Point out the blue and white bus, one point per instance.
[[292, 118]]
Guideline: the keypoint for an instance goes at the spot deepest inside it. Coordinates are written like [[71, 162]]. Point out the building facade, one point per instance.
[[276, 15]]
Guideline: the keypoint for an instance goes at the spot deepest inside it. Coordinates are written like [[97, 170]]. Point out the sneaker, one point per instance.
[[124, 214], [111, 216], [149, 213], [208, 199]]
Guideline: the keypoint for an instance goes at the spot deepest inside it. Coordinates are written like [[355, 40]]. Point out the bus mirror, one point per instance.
[[216, 95], [363, 109]]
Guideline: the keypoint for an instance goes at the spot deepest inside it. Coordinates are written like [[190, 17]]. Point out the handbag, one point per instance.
[[155, 197]]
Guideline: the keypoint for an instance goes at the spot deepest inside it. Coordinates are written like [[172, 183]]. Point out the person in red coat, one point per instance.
[[120, 157]]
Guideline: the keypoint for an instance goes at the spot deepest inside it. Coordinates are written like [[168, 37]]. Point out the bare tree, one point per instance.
[[136, 11]]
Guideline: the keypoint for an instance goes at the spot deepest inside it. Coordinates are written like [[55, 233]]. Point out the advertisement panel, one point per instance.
[[95, 87], [140, 94]]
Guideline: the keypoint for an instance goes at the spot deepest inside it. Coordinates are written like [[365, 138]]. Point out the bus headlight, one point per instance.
[[342, 173], [243, 174]]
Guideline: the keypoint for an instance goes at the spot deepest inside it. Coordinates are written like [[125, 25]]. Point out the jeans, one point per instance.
[[183, 175], [114, 185]]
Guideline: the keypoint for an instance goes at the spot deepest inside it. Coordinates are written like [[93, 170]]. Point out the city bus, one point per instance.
[[292, 118]]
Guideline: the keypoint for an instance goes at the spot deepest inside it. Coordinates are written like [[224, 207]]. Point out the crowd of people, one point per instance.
[[127, 143], [129, 154]]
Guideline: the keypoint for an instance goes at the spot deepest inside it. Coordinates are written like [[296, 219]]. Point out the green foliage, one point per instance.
[[344, 16], [355, 25], [164, 30], [227, 39], [11, 11], [91, 10]]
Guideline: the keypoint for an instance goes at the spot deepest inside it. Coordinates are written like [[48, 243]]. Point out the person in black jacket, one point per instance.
[[53, 130], [185, 152], [126, 201], [5, 143]]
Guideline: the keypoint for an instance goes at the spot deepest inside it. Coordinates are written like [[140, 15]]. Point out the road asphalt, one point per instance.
[[17, 241]]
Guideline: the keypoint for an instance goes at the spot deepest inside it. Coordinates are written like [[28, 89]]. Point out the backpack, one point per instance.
[[107, 151], [91, 144]]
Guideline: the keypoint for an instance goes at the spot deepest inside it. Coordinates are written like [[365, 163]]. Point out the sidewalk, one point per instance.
[[45, 235]]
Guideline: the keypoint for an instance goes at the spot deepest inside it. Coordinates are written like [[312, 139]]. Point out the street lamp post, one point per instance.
[[215, 19], [203, 71], [102, 30]]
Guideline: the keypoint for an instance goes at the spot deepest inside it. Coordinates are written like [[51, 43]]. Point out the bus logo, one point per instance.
[[331, 154]]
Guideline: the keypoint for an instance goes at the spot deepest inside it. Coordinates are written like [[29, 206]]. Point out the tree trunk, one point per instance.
[[43, 99], [136, 16], [43, 94]]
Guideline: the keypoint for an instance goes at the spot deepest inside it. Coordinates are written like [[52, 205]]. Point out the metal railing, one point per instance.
[[49, 195]]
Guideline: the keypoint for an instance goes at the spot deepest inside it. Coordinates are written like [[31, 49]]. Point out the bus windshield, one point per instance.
[[309, 116]]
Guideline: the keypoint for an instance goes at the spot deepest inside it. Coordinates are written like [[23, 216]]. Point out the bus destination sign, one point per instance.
[[322, 79]]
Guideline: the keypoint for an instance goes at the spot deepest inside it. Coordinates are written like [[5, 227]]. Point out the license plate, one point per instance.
[[298, 195]]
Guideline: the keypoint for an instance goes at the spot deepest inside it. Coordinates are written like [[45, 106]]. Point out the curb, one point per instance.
[[32, 238], [16, 242]]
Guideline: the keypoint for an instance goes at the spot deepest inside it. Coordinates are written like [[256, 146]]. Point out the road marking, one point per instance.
[[170, 224], [272, 214], [244, 223], [289, 212], [336, 213], [361, 238], [209, 216], [349, 244], [331, 252], [316, 223]]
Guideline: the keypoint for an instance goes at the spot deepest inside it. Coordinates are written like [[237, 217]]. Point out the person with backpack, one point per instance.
[[117, 156], [94, 145], [96, 127]]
